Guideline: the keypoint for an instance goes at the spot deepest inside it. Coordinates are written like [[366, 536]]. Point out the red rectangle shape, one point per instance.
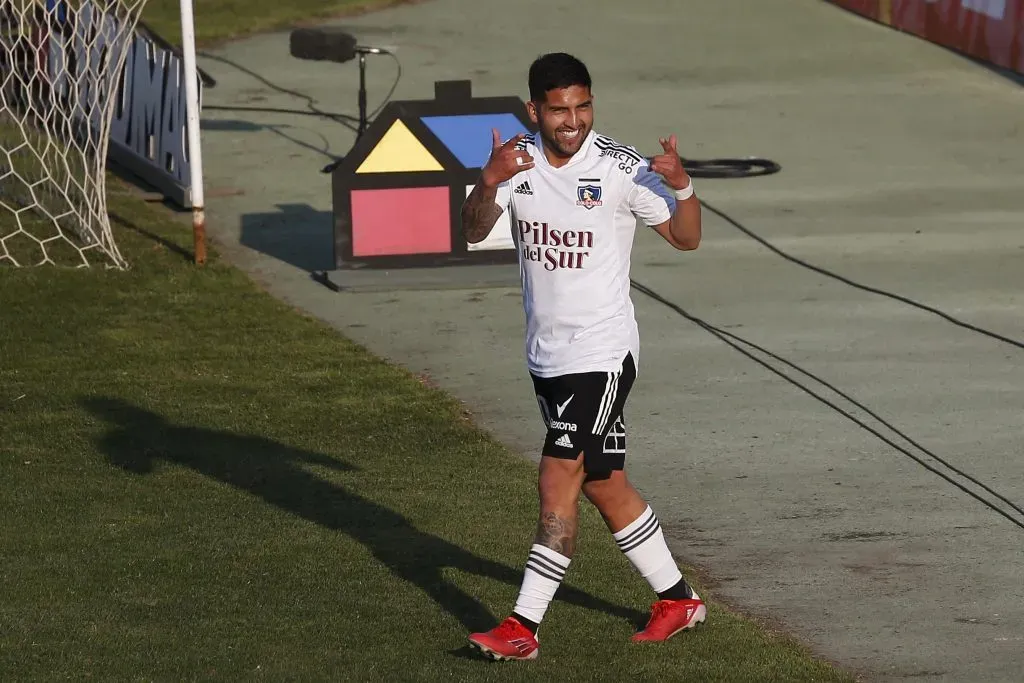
[[394, 222]]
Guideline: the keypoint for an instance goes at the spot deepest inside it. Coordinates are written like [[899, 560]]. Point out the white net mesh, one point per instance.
[[61, 63]]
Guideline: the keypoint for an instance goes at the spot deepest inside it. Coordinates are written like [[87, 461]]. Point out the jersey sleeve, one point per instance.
[[503, 197], [649, 198]]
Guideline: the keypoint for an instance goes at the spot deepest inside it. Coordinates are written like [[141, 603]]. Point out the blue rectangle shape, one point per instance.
[[468, 136]]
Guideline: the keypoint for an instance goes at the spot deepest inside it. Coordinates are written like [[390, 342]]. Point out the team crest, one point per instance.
[[588, 196]]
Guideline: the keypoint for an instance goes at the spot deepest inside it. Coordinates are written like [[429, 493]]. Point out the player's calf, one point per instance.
[[553, 546], [615, 498], [638, 533], [640, 538], [678, 607]]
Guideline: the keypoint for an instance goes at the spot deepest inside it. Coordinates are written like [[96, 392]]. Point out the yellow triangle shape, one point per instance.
[[397, 152]]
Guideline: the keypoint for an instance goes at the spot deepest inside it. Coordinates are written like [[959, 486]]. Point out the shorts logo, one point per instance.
[[561, 407], [563, 441], [564, 426], [588, 196]]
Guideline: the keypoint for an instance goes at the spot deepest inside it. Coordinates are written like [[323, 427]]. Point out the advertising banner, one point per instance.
[[989, 30], [148, 132]]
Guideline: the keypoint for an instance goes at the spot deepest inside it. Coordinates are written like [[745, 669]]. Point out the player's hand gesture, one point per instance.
[[505, 161], [670, 166]]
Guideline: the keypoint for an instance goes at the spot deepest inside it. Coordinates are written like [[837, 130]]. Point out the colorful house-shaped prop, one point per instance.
[[398, 193]]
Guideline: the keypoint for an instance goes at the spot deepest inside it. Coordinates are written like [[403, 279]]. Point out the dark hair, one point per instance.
[[556, 70]]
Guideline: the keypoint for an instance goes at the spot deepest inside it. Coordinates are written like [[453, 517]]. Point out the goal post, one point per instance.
[[188, 48], [63, 82]]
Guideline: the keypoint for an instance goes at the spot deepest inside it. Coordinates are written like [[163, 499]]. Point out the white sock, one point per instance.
[[644, 544], [544, 572]]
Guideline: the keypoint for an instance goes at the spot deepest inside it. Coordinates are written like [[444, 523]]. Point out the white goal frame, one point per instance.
[[195, 147]]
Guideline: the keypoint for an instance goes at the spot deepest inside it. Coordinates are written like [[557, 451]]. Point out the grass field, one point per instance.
[[201, 483]]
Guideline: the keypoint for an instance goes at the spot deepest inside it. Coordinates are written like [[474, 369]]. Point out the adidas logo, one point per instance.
[[521, 644], [524, 189], [563, 441]]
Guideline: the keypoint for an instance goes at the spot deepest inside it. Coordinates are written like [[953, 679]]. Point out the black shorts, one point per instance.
[[584, 414]]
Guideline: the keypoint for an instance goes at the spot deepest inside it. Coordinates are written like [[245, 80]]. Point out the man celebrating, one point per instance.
[[574, 197]]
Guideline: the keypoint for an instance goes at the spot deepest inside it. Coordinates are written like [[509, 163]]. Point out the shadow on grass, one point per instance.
[[138, 439], [128, 224]]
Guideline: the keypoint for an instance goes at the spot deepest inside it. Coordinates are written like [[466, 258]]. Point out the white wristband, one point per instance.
[[684, 193]]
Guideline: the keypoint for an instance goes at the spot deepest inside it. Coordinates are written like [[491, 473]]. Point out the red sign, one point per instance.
[[989, 30]]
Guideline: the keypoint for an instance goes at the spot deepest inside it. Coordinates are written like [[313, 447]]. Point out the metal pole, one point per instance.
[[362, 96], [188, 45]]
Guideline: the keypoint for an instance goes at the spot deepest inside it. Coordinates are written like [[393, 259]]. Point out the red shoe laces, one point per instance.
[[659, 610], [510, 629]]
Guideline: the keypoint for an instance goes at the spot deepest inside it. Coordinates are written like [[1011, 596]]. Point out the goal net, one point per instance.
[[61, 65]]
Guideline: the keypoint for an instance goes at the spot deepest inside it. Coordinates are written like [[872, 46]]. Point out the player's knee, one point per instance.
[[607, 491], [559, 481]]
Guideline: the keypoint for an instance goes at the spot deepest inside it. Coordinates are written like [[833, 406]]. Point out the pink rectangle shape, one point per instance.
[[408, 220]]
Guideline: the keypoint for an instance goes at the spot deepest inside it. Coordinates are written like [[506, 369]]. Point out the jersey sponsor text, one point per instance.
[[553, 247], [627, 162]]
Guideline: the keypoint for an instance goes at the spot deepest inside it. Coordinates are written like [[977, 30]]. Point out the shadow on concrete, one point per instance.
[[297, 234], [279, 129], [138, 441], [230, 126]]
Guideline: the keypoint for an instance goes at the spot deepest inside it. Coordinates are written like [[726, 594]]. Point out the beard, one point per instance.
[[562, 147]]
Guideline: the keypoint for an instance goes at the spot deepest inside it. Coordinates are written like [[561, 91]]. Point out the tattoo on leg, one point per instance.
[[557, 533]]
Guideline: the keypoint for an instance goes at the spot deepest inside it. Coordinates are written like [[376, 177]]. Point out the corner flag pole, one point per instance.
[[195, 152]]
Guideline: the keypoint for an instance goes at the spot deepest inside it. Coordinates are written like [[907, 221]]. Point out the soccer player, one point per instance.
[[574, 197]]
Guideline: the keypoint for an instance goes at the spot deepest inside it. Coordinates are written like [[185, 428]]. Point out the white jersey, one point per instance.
[[573, 228]]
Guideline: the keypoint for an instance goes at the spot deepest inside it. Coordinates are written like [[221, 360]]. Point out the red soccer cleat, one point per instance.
[[669, 617], [509, 640]]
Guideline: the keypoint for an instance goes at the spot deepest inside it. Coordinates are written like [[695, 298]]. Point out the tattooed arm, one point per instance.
[[480, 212]]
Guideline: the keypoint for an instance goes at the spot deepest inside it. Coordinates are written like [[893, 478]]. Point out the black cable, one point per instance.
[[311, 110], [387, 98], [279, 110], [727, 337], [264, 81], [857, 285], [748, 167]]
